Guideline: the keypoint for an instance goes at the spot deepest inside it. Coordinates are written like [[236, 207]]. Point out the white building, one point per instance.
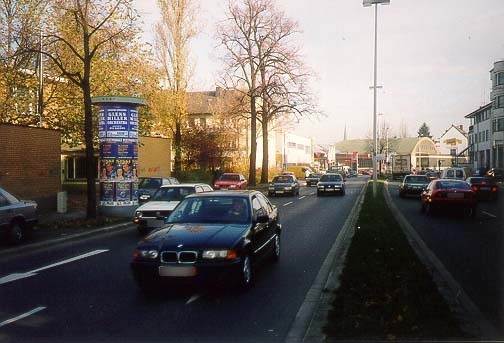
[[453, 141], [293, 150]]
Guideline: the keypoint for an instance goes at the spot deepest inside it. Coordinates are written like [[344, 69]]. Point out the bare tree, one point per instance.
[[80, 33], [262, 59], [173, 36]]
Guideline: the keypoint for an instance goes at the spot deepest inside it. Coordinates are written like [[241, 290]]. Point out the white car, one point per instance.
[[153, 213]]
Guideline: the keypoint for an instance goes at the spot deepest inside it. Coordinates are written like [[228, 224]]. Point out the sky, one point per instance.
[[433, 61]]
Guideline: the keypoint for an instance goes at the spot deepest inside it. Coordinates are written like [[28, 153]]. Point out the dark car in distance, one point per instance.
[[446, 194], [216, 237], [413, 185], [331, 183], [313, 179], [484, 187], [283, 184], [17, 217]]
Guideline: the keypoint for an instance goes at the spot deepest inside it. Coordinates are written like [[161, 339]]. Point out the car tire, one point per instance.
[[275, 255], [319, 193], [342, 192], [16, 233], [245, 281]]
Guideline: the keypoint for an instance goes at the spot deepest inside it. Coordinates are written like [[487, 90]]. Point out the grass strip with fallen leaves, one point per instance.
[[385, 291]]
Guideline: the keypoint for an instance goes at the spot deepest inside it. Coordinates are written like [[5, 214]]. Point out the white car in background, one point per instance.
[[153, 213]]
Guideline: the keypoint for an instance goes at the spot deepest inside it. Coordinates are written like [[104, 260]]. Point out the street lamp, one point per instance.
[[368, 3]]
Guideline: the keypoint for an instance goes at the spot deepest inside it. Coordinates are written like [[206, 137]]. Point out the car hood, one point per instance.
[[330, 182], [158, 205], [226, 182], [196, 236]]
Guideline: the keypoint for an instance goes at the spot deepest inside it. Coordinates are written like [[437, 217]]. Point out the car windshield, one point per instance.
[[331, 177], [230, 177], [149, 183], [172, 193], [452, 185], [282, 179], [416, 179], [213, 210]]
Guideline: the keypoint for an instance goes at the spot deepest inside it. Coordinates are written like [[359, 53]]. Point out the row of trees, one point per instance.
[[93, 47]]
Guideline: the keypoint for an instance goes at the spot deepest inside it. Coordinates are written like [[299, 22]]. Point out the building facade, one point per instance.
[[486, 130]]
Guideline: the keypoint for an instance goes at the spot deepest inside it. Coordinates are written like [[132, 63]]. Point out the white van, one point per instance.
[[454, 173]]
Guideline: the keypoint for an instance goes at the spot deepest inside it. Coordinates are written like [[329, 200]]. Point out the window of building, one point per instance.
[[499, 101], [498, 125], [500, 78], [76, 168]]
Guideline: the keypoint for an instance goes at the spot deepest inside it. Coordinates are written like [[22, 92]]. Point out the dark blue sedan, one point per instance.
[[217, 236]]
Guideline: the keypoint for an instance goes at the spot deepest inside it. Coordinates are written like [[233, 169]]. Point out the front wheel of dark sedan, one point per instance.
[[245, 281]]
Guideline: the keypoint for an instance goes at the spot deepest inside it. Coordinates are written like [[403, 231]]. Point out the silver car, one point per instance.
[[17, 217], [331, 183]]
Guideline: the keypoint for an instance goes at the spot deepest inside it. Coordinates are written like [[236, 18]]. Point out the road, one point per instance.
[[83, 290], [471, 250]]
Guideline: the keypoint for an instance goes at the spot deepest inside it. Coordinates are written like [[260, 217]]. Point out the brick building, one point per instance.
[[30, 163]]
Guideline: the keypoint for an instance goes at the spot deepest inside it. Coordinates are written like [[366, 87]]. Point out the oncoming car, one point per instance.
[[147, 186], [216, 237], [283, 184], [331, 183], [231, 181], [153, 213], [449, 194]]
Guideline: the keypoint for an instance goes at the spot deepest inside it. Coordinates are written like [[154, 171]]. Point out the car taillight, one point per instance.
[[494, 189], [474, 188]]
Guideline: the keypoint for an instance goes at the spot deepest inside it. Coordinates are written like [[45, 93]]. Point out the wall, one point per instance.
[[30, 163], [154, 156]]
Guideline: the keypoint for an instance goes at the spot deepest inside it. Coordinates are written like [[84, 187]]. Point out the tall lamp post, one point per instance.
[[368, 3]]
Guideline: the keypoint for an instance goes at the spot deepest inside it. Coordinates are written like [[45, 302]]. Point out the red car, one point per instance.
[[231, 181], [449, 193]]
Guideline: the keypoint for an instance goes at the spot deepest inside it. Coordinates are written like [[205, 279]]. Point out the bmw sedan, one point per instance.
[[217, 237], [331, 183]]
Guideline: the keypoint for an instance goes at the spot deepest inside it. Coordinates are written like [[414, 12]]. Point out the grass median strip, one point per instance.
[[385, 291]]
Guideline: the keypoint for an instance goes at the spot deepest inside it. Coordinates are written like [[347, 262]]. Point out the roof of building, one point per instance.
[[479, 110], [363, 146]]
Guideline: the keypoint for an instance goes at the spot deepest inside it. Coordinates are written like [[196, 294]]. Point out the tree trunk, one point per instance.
[[91, 166], [253, 142]]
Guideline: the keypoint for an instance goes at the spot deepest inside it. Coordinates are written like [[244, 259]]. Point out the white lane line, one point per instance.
[[17, 276], [193, 298], [21, 316], [489, 214], [302, 197], [287, 204]]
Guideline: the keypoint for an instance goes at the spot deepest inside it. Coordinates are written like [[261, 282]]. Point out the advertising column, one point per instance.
[[118, 138]]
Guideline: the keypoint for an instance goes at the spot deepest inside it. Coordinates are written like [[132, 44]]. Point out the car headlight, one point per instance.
[[271, 187], [149, 254], [138, 214], [288, 188], [213, 254]]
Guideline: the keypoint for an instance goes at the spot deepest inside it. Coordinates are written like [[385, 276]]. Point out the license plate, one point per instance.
[[485, 188], [330, 189], [279, 192], [181, 271], [155, 223], [455, 195]]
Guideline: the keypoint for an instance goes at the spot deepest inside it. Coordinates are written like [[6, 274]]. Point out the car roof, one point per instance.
[[188, 184], [237, 193]]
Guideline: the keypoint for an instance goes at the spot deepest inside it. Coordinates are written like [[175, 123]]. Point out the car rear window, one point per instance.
[[419, 178], [453, 185]]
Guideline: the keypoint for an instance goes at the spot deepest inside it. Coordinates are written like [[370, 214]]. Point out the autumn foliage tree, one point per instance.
[[79, 34]]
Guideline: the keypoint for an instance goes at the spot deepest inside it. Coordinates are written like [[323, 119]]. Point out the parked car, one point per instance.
[[17, 217], [331, 183], [313, 179], [484, 187], [153, 213], [496, 173], [216, 237], [283, 184], [449, 193], [231, 181], [413, 185], [147, 186]]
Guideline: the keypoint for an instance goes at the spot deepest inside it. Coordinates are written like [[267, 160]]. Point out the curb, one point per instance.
[[472, 320], [15, 251], [311, 316]]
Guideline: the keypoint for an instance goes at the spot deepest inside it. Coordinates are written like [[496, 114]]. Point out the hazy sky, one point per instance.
[[434, 58]]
